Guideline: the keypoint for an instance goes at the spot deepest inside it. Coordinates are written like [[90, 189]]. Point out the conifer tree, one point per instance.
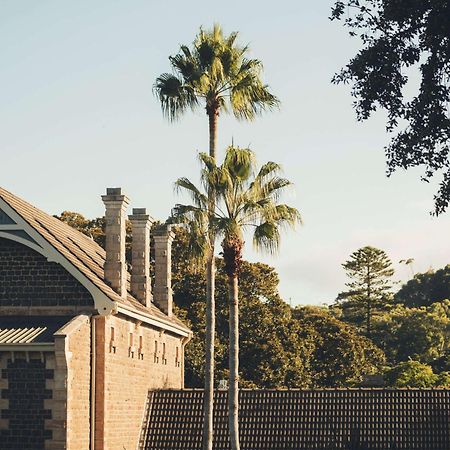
[[370, 271]]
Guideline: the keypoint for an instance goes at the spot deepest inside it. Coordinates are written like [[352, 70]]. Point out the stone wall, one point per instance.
[[45, 397], [73, 379], [28, 279], [23, 408], [137, 358]]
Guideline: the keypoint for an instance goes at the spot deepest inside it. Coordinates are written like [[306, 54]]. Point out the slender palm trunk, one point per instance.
[[369, 304], [232, 256], [233, 390], [208, 399], [212, 117]]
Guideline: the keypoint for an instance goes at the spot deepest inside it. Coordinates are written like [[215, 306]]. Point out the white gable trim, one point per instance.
[[153, 321], [102, 302]]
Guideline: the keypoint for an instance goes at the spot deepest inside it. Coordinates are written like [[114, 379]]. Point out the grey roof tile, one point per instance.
[[30, 329], [321, 419]]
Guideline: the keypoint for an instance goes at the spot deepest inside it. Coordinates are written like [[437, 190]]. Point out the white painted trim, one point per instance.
[[12, 226], [102, 302], [153, 321], [36, 347]]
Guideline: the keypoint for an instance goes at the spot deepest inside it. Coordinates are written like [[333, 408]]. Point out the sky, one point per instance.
[[77, 115]]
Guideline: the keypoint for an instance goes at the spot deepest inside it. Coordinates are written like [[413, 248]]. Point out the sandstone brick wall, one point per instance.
[[78, 347], [28, 279], [136, 359]]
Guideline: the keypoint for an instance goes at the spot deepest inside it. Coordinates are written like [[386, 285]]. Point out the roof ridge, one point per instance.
[[322, 389]]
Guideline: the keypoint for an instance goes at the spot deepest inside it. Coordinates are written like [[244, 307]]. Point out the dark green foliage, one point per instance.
[[370, 271], [271, 353], [400, 39], [442, 364], [421, 334], [340, 356], [411, 374], [425, 288]]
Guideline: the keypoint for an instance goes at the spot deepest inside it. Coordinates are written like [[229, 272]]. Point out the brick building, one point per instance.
[[82, 341]]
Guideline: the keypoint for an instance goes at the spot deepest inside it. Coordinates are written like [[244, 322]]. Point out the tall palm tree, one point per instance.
[[242, 202], [215, 73]]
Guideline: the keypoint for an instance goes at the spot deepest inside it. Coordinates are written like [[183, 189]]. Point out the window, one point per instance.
[[155, 354], [141, 348], [177, 357], [112, 345], [131, 349]]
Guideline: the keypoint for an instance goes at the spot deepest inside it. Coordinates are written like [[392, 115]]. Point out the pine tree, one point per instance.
[[370, 271]]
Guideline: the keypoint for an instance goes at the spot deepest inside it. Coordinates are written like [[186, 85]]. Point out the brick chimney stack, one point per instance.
[[140, 256], [162, 295], [115, 265]]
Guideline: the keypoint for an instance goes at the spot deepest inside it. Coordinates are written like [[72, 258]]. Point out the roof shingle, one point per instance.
[[30, 329], [325, 419]]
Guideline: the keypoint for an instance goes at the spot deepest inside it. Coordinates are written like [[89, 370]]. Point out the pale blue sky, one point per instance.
[[77, 114]]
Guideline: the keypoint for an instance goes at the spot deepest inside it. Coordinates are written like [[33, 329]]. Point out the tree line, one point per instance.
[[311, 346]]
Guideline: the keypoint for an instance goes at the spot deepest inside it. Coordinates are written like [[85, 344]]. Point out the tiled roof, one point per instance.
[[29, 329], [325, 419], [84, 253]]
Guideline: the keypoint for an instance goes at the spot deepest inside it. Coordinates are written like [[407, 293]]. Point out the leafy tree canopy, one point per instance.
[[401, 38], [421, 334], [340, 356], [272, 355], [425, 288], [412, 374]]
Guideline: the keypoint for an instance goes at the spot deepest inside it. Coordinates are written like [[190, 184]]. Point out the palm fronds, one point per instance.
[[214, 69], [242, 200]]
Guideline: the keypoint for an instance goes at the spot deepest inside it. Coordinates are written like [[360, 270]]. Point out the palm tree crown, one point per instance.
[[243, 201], [216, 71]]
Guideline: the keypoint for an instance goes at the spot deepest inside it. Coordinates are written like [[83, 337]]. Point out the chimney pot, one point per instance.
[[139, 211], [114, 191]]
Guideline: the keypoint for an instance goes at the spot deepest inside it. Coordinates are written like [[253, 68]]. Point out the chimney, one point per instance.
[[140, 256], [115, 265], [162, 295]]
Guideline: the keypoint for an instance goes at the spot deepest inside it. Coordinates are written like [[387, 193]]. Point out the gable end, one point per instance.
[[27, 279], [5, 219]]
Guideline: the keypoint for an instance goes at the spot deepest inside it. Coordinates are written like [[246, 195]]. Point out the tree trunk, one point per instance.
[[369, 303], [233, 389], [208, 399], [212, 117]]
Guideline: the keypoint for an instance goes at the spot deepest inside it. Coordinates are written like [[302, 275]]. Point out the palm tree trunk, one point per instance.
[[233, 390], [208, 399], [212, 118]]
